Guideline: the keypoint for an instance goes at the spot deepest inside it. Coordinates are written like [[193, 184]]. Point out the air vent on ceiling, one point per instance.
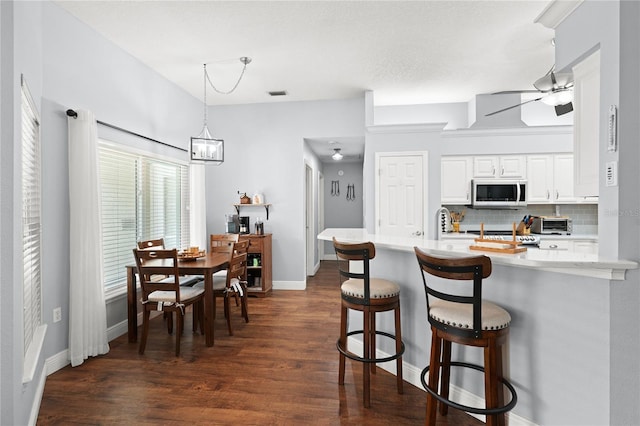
[[278, 93]]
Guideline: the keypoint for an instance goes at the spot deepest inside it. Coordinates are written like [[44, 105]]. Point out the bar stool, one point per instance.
[[465, 320], [369, 296]]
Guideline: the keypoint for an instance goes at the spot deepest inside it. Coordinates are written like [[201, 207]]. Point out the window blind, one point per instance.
[[31, 217], [142, 198]]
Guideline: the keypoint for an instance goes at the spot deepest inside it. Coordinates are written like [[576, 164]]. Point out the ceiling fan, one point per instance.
[[555, 89]]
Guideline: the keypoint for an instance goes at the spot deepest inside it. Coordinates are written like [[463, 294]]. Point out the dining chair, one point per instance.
[[157, 244], [234, 282], [185, 280], [166, 294], [223, 243]]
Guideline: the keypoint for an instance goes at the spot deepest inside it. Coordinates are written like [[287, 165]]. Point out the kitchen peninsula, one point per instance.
[[560, 330]]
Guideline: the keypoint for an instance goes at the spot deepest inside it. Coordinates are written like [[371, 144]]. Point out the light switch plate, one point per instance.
[[611, 170]]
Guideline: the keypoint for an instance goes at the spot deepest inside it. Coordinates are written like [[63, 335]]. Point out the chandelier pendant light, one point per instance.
[[204, 147], [337, 155]]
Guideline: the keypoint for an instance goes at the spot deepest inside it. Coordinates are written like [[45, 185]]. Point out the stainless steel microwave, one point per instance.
[[498, 193]]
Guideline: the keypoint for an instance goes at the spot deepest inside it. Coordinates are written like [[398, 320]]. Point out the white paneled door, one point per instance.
[[400, 195]]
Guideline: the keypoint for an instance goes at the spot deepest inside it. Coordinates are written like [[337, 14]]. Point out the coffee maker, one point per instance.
[[232, 223], [244, 225]]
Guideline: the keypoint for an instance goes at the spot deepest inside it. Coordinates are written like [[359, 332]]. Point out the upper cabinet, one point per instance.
[[549, 176], [586, 125], [505, 166], [550, 179], [455, 180]]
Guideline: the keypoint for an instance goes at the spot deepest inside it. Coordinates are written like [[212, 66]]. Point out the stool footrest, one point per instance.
[[468, 409], [351, 355]]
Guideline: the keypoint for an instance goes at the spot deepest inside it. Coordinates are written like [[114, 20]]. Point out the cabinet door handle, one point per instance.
[[548, 194], [493, 170], [502, 172], [553, 246], [557, 194]]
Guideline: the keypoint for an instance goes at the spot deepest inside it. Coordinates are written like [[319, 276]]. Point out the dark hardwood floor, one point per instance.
[[279, 369]]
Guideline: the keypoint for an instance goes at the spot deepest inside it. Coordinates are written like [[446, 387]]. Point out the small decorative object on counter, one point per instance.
[[456, 218], [259, 226], [258, 198], [499, 246], [244, 199]]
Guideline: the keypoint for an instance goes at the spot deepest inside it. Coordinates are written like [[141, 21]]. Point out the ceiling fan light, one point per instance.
[[337, 156], [558, 98]]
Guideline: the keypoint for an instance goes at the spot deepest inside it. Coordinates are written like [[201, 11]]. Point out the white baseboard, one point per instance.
[[289, 285], [35, 407], [411, 374]]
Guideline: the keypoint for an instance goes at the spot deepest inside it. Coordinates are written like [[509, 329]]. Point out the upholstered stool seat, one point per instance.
[[466, 320], [461, 316], [369, 295], [379, 288]]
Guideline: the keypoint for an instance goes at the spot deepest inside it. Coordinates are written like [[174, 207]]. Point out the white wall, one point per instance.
[[264, 145], [21, 51], [612, 27], [67, 65]]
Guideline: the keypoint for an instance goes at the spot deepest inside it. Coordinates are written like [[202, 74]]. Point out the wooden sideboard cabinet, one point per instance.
[[259, 281]]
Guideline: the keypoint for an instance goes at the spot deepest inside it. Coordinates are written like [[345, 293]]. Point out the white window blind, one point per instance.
[[142, 198], [31, 217]]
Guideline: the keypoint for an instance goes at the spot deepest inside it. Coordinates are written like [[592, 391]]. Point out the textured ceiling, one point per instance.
[[407, 52]]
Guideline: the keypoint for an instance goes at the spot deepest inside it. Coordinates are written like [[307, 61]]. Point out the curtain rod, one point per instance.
[[72, 113]]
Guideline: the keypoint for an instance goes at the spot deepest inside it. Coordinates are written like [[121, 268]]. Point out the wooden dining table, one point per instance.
[[206, 266]]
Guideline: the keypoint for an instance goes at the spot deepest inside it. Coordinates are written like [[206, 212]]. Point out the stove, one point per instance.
[[532, 240]]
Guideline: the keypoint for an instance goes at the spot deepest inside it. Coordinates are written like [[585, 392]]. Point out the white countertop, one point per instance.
[[465, 236], [567, 262]]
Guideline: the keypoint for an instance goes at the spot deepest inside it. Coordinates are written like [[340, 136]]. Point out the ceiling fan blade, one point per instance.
[[512, 106]]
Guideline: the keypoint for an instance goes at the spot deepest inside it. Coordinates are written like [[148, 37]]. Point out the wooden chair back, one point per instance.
[[239, 269], [222, 243], [354, 252], [152, 263], [158, 243], [470, 268]]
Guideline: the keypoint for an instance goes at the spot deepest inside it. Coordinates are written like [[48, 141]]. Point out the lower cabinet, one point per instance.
[[576, 246], [259, 281]]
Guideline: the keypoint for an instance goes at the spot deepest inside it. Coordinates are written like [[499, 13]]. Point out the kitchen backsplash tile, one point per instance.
[[584, 216]]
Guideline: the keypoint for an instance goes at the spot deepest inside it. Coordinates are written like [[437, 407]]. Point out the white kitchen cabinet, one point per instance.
[[548, 244], [505, 166], [539, 178], [587, 246], [455, 180], [586, 125], [563, 179], [550, 180]]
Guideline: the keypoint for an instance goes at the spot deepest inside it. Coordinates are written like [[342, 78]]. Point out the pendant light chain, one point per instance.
[[205, 96], [245, 60]]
